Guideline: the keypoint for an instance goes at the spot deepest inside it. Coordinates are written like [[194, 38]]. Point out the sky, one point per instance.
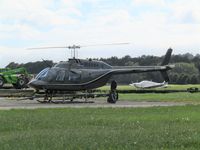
[[150, 26]]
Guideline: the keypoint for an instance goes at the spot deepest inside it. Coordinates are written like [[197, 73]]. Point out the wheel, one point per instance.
[[1, 82], [21, 83], [113, 97]]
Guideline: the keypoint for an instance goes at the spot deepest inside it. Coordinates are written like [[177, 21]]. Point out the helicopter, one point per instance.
[[87, 74]]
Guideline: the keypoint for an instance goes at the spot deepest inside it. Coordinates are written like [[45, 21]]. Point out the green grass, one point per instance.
[[170, 97], [106, 128], [170, 87], [102, 128]]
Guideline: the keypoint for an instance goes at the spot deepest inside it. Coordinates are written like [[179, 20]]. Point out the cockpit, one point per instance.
[[42, 74], [83, 64]]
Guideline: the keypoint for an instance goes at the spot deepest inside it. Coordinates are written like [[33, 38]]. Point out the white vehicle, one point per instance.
[[149, 84]]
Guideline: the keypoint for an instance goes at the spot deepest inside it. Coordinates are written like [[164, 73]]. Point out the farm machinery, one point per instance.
[[18, 77]]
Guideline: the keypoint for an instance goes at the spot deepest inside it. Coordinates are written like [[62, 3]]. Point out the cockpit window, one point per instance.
[[62, 65], [42, 74]]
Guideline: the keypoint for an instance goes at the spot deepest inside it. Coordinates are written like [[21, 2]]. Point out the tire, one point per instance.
[[113, 97], [1, 82], [21, 83]]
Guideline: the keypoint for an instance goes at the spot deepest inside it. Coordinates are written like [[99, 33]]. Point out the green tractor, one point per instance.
[[17, 77]]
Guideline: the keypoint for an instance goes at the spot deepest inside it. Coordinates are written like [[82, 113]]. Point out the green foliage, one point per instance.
[[194, 79], [102, 128], [184, 73], [186, 68], [32, 67]]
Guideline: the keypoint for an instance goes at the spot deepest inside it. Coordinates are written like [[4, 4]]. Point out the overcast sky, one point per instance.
[[151, 26]]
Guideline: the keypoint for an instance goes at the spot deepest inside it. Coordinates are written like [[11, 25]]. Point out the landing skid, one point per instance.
[[64, 102], [62, 98], [67, 97]]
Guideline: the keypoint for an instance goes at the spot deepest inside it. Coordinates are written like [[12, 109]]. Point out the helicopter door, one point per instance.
[[75, 76], [60, 76]]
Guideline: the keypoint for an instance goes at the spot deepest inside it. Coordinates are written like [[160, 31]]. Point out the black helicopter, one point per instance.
[[84, 75]]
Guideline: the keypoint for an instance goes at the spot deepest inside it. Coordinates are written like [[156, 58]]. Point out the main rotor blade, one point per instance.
[[47, 47], [105, 44], [77, 46]]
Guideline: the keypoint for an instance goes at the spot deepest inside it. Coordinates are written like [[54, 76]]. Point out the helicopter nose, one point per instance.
[[36, 84]]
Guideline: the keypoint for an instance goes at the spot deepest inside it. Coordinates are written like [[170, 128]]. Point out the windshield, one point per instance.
[[42, 74]]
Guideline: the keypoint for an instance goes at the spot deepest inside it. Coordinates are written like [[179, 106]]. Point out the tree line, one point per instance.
[[186, 71]]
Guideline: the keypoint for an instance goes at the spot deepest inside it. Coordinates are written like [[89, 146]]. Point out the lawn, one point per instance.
[[102, 128], [170, 97], [170, 87]]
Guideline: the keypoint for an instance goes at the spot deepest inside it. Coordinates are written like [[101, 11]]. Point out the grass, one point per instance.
[[193, 98], [170, 87], [170, 97], [106, 128], [102, 128]]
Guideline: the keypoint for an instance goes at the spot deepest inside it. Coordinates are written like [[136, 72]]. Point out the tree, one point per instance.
[[12, 65], [183, 79], [194, 79]]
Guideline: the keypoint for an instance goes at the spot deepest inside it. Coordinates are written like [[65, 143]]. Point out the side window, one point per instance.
[[74, 76], [60, 75]]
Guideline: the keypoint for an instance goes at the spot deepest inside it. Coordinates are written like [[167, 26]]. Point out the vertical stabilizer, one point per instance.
[[167, 57]]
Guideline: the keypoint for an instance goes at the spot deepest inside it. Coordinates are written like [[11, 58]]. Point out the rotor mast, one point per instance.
[[74, 48]]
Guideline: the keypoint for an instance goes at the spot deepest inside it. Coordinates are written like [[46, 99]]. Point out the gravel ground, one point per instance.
[[7, 104]]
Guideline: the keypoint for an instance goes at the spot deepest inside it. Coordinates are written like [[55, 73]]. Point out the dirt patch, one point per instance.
[[7, 104]]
